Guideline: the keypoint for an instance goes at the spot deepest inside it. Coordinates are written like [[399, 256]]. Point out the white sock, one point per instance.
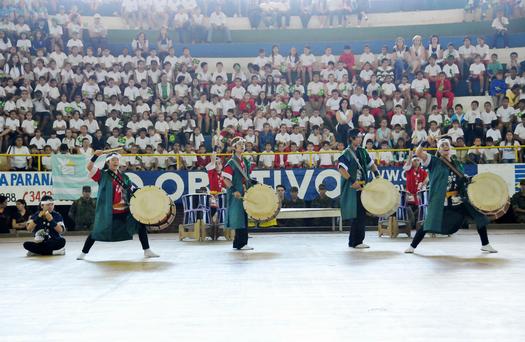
[[81, 256], [148, 253]]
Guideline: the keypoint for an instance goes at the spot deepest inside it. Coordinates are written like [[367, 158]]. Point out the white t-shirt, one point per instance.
[[366, 120], [420, 85], [520, 131], [487, 118], [19, 162], [508, 153], [495, 134], [505, 113], [477, 69]]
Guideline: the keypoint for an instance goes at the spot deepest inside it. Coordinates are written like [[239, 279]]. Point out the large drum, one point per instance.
[[380, 198], [151, 206], [489, 193], [261, 203]]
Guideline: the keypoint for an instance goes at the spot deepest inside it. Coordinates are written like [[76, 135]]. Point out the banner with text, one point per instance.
[[31, 186]]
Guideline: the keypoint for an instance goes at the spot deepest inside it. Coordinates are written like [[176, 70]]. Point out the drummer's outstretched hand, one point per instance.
[[357, 186], [98, 153], [237, 194]]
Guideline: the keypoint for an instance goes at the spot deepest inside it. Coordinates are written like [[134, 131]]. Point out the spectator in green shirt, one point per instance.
[[82, 211]]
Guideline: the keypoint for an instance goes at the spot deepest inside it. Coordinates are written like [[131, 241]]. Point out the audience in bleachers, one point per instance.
[[61, 92]]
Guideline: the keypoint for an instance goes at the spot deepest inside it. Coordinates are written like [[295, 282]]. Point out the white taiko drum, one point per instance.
[[489, 194], [261, 203], [152, 207], [380, 198]]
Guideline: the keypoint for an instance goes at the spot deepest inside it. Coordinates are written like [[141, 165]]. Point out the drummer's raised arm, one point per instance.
[[91, 162]]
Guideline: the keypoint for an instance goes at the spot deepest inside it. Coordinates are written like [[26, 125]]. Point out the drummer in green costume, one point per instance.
[[353, 166], [448, 203], [113, 220], [236, 176]]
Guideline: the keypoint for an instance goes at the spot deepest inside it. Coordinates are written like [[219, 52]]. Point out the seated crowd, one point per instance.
[[61, 94]]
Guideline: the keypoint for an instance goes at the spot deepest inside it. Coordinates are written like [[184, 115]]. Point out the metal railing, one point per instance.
[[177, 156]]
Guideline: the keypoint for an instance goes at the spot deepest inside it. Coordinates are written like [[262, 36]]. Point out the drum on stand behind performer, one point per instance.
[[113, 220], [353, 166], [448, 202], [236, 175]]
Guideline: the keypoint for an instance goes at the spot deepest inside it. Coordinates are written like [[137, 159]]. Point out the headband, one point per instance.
[[237, 140], [112, 155], [443, 141], [47, 202]]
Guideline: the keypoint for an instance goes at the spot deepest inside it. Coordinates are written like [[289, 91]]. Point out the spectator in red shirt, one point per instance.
[[417, 179], [281, 160], [247, 104], [348, 58], [444, 89], [202, 161]]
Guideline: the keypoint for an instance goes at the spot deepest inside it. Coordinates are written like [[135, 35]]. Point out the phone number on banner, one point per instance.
[[32, 197]]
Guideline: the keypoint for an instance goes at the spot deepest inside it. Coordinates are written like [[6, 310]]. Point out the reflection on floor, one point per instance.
[[292, 287]]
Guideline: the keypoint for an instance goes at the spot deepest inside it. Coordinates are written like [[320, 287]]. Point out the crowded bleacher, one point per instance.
[[69, 84]]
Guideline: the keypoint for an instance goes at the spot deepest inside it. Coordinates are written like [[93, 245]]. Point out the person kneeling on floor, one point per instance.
[[47, 225]]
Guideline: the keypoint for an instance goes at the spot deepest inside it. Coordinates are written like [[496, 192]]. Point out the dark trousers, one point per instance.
[[45, 247], [451, 219], [241, 235], [241, 238], [143, 237], [420, 234], [357, 225]]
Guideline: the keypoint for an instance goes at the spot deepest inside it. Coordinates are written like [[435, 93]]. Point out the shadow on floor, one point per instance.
[[485, 260], [132, 266], [241, 255]]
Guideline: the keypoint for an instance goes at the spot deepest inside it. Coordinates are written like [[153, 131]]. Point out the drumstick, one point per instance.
[[111, 150]]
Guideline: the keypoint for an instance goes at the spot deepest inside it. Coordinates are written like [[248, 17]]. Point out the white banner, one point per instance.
[[30, 186]]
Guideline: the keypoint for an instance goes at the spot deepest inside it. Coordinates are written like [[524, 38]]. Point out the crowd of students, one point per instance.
[[61, 94]]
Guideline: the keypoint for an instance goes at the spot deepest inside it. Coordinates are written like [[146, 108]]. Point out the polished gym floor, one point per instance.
[[292, 287]]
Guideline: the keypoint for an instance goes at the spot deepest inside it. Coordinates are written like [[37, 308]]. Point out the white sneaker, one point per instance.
[[61, 251], [81, 256], [31, 254], [410, 250], [488, 248], [148, 253], [362, 246], [245, 248]]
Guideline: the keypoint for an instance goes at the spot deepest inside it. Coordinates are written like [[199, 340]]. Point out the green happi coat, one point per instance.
[[104, 228], [236, 217], [348, 199], [438, 176]]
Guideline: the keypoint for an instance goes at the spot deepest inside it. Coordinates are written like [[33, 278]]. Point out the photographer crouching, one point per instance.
[[48, 226]]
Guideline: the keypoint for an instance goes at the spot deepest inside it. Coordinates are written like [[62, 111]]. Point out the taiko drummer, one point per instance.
[[113, 220], [353, 166], [448, 202], [236, 176]]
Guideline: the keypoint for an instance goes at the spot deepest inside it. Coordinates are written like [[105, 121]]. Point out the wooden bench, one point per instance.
[[301, 213]]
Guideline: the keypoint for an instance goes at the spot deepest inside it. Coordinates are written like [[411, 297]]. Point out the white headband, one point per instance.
[[112, 155], [443, 141], [47, 202], [238, 141]]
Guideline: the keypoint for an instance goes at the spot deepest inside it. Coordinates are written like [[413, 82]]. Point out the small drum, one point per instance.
[[261, 203], [380, 198], [422, 198], [151, 206], [489, 194]]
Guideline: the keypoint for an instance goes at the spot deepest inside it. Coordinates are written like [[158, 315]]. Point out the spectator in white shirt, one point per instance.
[[500, 25], [217, 22]]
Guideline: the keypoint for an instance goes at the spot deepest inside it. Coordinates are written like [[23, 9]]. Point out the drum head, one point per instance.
[[488, 192], [380, 197], [150, 205], [261, 203]]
